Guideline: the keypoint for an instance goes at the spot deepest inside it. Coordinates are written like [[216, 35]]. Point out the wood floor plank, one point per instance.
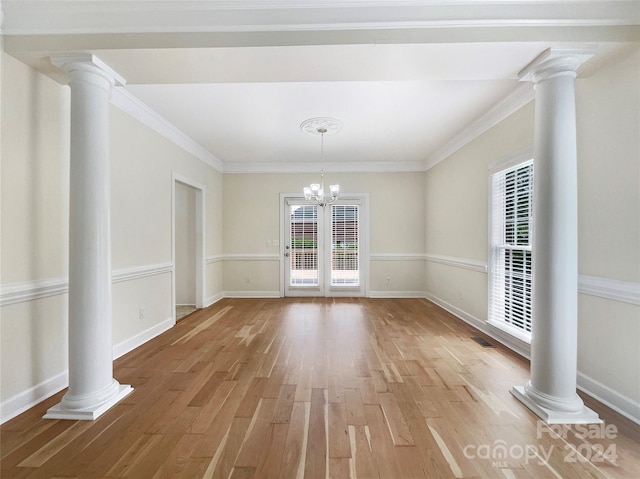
[[148, 464], [293, 461], [270, 461], [382, 443], [138, 449], [252, 397], [354, 408], [316, 455], [284, 404], [255, 441], [335, 390], [210, 410], [317, 388], [338, 431], [225, 457], [362, 464], [395, 420]]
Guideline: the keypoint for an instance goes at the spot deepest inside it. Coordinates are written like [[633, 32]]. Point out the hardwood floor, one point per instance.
[[317, 388]]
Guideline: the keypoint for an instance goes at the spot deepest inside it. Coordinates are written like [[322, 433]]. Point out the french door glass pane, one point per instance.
[[304, 245], [344, 245]]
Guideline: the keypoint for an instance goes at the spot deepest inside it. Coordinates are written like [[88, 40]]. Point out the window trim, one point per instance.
[[520, 157]]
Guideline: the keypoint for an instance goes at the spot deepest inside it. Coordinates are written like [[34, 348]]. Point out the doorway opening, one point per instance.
[[188, 247]]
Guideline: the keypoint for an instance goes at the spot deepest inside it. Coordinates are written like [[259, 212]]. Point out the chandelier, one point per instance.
[[315, 192]]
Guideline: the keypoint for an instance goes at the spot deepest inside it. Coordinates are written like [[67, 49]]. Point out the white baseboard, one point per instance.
[[607, 396], [520, 347], [213, 299], [396, 294], [252, 294], [142, 337], [604, 394], [25, 400]]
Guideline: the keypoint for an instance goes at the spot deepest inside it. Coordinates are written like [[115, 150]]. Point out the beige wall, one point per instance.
[[457, 212], [251, 218], [143, 166], [608, 128], [35, 174], [34, 222]]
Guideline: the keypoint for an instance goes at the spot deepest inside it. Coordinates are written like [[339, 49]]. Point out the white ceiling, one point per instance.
[[406, 78]]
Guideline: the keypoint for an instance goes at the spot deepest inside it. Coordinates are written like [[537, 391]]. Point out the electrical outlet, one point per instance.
[[388, 279], [142, 312], [247, 279]]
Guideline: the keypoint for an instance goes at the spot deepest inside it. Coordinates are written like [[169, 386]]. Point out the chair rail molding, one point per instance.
[[471, 264], [615, 290], [24, 291], [397, 257]]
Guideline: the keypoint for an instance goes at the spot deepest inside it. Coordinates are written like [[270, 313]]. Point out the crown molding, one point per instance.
[[33, 17], [522, 95], [131, 105], [328, 167]]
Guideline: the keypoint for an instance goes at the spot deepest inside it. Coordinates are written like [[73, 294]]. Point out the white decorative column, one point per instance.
[[551, 391], [92, 388]]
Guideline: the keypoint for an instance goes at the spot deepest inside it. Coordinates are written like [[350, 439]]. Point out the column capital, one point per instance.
[[89, 63], [555, 62]]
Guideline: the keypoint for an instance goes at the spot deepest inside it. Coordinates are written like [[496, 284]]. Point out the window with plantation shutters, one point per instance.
[[510, 272], [304, 245], [344, 245]]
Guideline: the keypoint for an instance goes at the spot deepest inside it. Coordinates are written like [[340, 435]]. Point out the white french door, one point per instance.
[[324, 252]]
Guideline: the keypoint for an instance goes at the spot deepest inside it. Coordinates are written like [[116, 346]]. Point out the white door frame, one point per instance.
[[200, 215], [363, 290]]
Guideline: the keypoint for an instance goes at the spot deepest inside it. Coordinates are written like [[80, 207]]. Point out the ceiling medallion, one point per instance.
[[321, 126]]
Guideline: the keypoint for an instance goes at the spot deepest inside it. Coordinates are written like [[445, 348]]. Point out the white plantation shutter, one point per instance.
[[304, 245], [510, 272], [345, 244]]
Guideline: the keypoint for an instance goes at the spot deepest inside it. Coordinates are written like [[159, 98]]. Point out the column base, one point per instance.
[[550, 416], [59, 411]]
